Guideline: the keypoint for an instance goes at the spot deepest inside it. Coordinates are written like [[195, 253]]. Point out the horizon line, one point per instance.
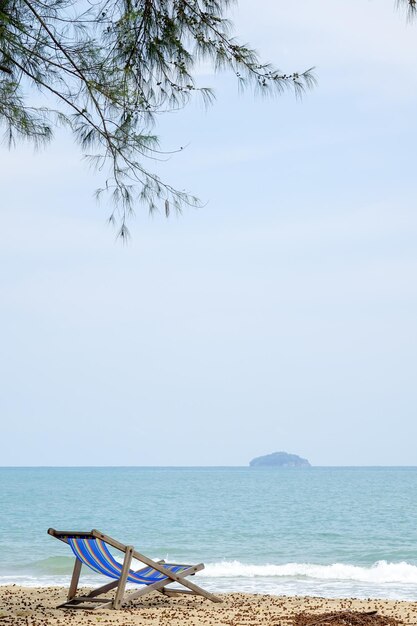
[[197, 466]]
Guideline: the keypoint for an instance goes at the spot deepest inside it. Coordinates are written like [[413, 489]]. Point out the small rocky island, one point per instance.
[[279, 459]]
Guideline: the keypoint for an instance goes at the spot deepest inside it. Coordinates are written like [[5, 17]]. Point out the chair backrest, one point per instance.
[[92, 534], [95, 554], [91, 549]]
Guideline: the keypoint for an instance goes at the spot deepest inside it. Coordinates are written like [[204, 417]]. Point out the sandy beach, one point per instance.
[[36, 607]]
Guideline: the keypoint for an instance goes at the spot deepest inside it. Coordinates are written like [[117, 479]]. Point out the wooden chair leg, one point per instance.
[[74, 580], [117, 602]]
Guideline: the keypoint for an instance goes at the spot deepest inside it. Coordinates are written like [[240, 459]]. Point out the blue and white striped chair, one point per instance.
[[91, 549]]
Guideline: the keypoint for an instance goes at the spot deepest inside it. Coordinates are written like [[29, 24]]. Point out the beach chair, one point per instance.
[[91, 549]]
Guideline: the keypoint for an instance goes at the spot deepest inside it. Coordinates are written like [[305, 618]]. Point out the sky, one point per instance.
[[280, 316]]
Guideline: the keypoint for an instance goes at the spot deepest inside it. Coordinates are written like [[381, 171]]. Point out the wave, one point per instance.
[[378, 573], [57, 565]]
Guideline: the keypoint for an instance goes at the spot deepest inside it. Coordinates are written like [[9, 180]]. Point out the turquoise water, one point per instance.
[[319, 531]]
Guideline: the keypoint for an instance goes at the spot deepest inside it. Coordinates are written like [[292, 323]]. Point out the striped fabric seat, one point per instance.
[[95, 554]]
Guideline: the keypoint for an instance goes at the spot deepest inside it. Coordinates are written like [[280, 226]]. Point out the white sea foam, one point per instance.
[[378, 573], [380, 580]]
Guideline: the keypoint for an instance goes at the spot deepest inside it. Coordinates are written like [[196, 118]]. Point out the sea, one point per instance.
[[321, 531]]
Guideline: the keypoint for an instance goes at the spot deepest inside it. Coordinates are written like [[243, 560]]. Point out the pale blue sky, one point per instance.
[[282, 316]]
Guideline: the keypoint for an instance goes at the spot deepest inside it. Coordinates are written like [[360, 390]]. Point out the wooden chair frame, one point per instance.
[[93, 601]]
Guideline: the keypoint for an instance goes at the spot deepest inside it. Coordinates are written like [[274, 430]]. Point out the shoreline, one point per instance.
[[35, 606]]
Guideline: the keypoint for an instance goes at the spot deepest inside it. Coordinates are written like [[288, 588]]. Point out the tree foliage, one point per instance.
[[106, 69]]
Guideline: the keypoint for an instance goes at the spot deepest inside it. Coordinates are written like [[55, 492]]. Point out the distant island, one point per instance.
[[279, 459]]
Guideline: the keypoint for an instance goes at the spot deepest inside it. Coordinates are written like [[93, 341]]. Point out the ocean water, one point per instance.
[[332, 532]]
